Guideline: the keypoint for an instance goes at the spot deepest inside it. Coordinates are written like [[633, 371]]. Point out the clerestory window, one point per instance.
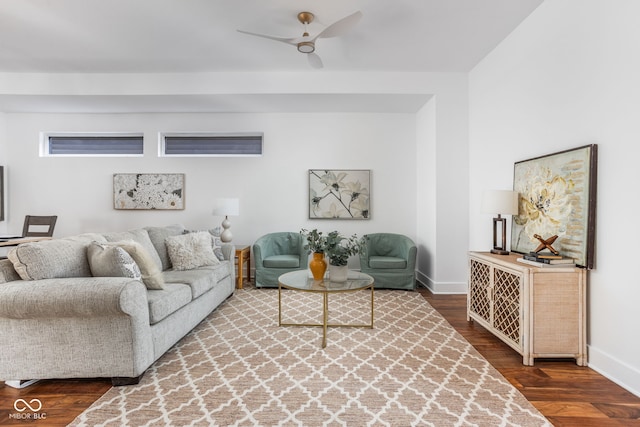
[[210, 145], [92, 144]]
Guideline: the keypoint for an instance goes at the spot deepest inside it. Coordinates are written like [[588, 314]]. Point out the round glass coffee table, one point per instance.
[[301, 280]]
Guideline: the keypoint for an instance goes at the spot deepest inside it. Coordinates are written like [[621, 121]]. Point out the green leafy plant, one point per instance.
[[339, 248], [316, 242]]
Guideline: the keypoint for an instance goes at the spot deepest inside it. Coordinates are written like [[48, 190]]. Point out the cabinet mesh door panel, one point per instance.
[[478, 288], [506, 304]]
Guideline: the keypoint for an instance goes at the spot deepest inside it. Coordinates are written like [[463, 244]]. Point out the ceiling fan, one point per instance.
[[306, 43]]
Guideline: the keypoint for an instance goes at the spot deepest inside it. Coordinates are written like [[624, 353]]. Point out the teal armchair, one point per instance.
[[278, 253], [390, 259]]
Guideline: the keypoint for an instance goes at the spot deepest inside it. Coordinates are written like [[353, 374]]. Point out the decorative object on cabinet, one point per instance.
[[557, 197], [162, 191], [501, 202], [339, 194], [539, 312], [226, 208], [546, 243]]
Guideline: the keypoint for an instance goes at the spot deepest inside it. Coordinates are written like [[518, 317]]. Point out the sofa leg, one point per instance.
[[20, 383], [120, 381]]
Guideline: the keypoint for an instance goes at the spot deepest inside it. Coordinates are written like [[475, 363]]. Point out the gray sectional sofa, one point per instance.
[[109, 304]]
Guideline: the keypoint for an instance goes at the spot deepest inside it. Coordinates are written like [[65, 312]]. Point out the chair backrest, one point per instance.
[[39, 226], [282, 243], [388, 244]]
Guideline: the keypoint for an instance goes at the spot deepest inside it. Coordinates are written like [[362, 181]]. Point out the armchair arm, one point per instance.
[[258, 253], [411, 257]]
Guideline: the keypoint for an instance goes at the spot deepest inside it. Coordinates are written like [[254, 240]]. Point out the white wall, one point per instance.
[[272, 189], [426, 200], [569, 76]]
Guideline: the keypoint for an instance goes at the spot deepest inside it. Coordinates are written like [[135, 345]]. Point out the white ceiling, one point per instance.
[[182, 36]]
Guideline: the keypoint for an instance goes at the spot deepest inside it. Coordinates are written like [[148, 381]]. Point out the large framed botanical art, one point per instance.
[[148, 191], [339, 194], [557, 197]]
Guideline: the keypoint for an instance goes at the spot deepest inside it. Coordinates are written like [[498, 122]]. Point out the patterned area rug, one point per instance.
[[238, 367]]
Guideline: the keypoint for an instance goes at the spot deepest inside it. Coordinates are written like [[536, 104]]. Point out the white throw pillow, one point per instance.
[[111, 261], [192, 250], [151, 274], [216, 241]]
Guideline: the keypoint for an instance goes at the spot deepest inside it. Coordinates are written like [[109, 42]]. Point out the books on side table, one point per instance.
[[546, 259]]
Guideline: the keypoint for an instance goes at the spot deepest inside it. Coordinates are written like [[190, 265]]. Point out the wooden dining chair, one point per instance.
[[39, 226]]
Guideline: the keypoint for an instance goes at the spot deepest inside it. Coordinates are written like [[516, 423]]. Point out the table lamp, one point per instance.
[[501, 202], [226, 208]]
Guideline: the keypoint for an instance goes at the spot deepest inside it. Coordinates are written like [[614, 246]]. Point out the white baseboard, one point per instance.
[[441, 287], [616, 370], [20, 383]]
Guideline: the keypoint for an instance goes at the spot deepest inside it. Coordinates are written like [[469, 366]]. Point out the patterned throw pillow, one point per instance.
[[151, 273], [191, 250], [111, 261]]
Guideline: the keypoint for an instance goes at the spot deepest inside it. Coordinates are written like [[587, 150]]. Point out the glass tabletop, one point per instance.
[[302, 280]]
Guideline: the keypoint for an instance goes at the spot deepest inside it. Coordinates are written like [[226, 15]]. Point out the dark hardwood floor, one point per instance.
[[567, 394]]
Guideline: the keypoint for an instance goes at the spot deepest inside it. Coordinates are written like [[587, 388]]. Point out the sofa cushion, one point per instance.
[[192, 250], [111, 261], [50, 259], [151, 274], [387, 262], [201, 279], [158, 235], [282, 261], [163, 302], [141, 236]]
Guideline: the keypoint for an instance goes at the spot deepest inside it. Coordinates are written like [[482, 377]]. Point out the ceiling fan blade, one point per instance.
[[314, 60], [288, 40], [341, 26]]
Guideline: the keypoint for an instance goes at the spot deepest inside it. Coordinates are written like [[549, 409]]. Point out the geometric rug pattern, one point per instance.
[[239, 368]]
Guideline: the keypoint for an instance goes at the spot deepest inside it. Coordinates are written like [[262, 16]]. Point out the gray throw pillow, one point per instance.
[[111, 261], [51, 259]]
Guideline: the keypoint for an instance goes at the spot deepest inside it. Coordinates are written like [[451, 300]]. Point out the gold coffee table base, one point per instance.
[[299, 281]]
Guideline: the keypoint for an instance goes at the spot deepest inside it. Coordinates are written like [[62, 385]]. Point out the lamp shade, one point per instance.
[[504, 202], [226, 207]]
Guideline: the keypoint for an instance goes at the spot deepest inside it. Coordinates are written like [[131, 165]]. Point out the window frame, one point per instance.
[[45, 138], [162, 136]]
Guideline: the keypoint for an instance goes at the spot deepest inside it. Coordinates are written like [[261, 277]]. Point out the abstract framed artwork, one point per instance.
[[557, 196], [339, 194], [162, 191]]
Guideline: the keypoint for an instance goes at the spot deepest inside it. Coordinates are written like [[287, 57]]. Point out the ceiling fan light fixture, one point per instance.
[[306, 47]]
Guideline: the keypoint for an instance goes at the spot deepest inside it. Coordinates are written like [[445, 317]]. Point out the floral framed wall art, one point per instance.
[[148, 191], [557, 196], [339, 194]]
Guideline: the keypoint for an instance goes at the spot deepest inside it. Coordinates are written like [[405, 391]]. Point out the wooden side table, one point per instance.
[[243, 254]]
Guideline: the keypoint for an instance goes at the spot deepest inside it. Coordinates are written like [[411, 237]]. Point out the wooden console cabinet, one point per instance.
[[538, 311]]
